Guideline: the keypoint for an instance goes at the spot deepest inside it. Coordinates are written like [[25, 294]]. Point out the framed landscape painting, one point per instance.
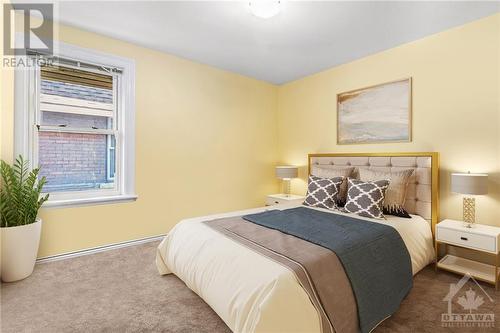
[[376, 114]]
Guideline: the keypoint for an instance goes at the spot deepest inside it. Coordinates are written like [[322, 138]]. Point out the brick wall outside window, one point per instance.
[[73, 161]]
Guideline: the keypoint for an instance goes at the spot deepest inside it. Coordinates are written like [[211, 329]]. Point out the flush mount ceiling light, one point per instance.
[[265, 9]]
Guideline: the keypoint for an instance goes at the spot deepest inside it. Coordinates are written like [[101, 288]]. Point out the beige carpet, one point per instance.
[[120, 291]]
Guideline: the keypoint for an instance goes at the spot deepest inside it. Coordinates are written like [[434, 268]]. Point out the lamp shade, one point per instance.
[[469, 183], [286, 172]]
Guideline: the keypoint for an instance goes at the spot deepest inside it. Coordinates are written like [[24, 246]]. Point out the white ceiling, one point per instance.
[[305, 38]]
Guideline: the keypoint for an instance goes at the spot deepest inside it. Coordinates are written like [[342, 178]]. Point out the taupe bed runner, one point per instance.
[[330, 293]]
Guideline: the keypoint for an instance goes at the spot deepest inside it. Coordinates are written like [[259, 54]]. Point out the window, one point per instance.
[[75, 119]]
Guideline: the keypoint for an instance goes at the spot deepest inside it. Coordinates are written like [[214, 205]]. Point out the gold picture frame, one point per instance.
[[385, 123]]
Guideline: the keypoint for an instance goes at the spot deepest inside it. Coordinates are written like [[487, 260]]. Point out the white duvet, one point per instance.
[[250, 292]]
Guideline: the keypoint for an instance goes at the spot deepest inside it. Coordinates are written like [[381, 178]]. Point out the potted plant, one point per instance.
[[20, 200]]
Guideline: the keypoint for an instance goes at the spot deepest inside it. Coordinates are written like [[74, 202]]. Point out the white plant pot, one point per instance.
[[19, 250]]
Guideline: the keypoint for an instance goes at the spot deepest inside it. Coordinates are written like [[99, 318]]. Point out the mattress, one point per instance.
[[250, 292]]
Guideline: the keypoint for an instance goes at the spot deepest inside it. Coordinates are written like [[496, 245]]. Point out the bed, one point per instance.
[[255, 292]]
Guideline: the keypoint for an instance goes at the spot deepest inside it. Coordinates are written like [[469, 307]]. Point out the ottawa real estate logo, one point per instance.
[[465, 300]]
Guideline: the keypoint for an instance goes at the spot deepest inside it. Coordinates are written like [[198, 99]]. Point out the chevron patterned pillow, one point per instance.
[[366, 198], [322, 192]]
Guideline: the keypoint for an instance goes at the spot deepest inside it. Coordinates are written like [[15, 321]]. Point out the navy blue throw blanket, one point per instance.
[[374, 256]]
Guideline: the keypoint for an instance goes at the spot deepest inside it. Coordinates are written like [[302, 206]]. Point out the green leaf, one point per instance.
[[20, 193]]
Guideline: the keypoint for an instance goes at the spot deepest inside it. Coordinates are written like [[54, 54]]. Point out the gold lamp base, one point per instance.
[[469, 212]]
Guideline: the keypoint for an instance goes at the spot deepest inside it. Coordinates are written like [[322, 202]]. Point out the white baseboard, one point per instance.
[[98, 249]]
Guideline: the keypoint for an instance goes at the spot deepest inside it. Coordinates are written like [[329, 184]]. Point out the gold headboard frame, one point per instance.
[[434, 173]]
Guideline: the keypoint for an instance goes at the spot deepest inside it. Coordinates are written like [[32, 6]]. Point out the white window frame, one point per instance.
[[109, 148], [26, 134]]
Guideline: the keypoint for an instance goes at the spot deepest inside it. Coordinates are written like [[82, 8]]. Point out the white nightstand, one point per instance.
[[481, 238], [276, 199]]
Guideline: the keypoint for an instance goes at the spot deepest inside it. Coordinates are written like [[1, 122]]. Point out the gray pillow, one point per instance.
[[366, 198], [333, 172], [322, 192]]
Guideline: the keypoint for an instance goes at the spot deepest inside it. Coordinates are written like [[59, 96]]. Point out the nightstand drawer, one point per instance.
[[467, 239], [276, 199], [273, 201]]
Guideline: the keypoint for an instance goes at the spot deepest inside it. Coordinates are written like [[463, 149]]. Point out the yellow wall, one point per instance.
[[206, 142], [456, 98]]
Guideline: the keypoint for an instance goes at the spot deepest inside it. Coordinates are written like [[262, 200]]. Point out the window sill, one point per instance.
[[90, 201]]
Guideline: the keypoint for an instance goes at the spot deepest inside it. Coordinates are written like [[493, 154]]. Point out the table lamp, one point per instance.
[[286, 173], [472, 184]]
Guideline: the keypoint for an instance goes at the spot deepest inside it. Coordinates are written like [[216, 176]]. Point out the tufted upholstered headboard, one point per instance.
[[423, 190]]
